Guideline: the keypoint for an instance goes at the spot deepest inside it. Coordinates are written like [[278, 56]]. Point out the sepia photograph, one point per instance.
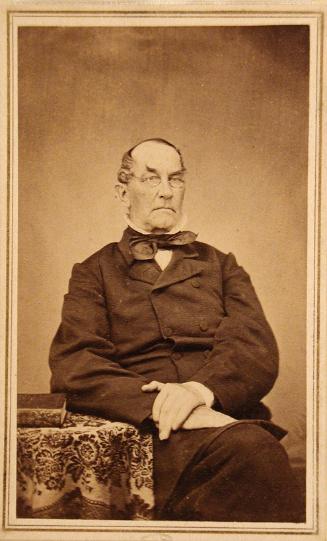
[[164, 252]]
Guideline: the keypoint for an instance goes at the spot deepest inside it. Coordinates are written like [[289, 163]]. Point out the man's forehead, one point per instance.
[[153, 154]]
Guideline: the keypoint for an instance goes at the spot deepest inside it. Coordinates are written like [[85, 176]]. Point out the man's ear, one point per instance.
[[122, 194]]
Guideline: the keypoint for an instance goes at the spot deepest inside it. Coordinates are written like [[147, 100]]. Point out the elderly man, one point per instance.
[[165, 332]]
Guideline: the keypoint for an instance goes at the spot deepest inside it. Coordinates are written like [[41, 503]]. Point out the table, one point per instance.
[[89, 468]]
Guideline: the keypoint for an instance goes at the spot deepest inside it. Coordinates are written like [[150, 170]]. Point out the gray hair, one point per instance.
[[125, 172]]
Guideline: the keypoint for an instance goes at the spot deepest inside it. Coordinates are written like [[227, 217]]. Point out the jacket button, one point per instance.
[[176, 355], [203, 325], [195, 282], [168, 331]]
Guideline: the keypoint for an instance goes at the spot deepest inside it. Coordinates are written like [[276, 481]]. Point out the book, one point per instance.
[[41, 410]]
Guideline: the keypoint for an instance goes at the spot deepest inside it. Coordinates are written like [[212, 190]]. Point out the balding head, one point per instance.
[[144, 150]]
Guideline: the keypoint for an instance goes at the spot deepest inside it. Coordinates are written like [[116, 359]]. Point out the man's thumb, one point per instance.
[[152, 386]]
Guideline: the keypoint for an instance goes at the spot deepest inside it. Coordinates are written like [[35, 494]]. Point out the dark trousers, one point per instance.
[[238, 473]]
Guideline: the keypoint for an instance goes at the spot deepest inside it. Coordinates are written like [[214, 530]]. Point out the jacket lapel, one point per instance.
[[183, 265], [145, 271]]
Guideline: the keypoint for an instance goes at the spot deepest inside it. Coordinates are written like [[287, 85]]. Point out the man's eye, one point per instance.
[[153, 179]]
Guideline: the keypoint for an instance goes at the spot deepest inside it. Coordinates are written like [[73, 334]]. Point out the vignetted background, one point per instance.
[[233, 99]]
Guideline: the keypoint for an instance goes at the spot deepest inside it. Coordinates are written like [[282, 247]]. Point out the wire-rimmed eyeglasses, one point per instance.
[[175, 181]]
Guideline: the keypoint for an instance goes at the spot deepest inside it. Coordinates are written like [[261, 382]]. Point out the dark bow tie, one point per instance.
[[146, 246]]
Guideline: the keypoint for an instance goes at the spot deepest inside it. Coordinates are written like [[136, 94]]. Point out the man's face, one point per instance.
[[155, 208]]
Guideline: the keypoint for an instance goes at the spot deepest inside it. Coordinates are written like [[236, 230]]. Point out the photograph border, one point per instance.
[[315, 268]]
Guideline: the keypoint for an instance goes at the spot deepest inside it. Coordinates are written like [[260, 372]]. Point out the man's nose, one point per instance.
[[165, 190]]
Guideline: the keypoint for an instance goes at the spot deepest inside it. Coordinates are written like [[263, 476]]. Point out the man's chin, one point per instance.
[[162, 223]]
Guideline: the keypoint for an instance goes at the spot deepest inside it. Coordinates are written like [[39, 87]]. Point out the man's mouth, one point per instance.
[[165, 208]]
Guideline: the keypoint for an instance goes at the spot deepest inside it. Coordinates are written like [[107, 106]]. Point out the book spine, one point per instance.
[[39, 418]]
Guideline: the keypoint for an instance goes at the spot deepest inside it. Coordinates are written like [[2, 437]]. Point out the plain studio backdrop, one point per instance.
[[233, 99]]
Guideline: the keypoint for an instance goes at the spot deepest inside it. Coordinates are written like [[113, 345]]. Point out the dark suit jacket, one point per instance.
[[125, 323]]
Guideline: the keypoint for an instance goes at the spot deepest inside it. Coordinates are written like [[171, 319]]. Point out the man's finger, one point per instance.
[[167, 415], [165, 423], [169, 391], [181, 415], [152, 386], [175, 419]]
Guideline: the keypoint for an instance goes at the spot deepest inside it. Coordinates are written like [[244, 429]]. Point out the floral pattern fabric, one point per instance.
[[88, 468]]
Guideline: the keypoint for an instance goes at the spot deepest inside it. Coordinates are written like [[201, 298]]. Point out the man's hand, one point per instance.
[[172, 406], [204, 417]]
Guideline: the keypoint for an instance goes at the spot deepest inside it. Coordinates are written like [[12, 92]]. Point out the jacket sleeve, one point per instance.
[[81, 356], [243, 364]]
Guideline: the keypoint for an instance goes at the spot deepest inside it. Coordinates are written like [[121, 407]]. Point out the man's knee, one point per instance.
[[249, 443], [242, 474]]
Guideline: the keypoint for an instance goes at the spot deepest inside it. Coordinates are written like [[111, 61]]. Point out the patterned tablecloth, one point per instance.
[[89, 468]]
